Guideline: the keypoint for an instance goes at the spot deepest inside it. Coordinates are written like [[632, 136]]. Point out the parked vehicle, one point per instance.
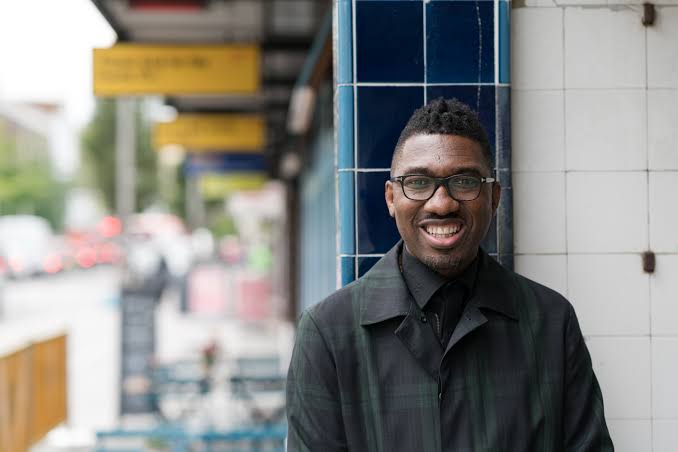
[[25, 245]]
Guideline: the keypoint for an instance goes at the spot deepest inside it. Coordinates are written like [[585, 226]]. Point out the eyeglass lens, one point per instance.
[[461, 188]]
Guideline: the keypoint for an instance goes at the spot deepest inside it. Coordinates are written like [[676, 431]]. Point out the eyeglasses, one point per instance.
[[460, 187]]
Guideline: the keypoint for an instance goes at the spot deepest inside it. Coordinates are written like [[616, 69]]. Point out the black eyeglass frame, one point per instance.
[[444, 181]]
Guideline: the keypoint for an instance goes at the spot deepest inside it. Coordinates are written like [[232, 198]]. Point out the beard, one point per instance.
[[445, 265]]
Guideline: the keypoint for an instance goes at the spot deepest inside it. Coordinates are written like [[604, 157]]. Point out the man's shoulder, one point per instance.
[[338, 308], [538, 297]]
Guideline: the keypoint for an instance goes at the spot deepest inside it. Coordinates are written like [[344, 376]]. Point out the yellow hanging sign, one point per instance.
[[221, 132], [215, 186], [140, 69]]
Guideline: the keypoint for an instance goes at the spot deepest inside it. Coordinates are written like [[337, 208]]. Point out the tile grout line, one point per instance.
[[423, 15], [498, 137], [565, 172], [338, 120], [364, 170], [355, 136], [649, 276], [496, 42], [443, 84]]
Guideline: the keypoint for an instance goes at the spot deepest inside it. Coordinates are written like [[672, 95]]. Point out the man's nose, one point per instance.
[[441, 203]]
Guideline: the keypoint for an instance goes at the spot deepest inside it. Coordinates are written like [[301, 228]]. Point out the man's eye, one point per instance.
[[465, 182], [417, 182]]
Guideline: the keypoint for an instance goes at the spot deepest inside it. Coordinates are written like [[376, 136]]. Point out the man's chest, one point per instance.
[[489, 390]]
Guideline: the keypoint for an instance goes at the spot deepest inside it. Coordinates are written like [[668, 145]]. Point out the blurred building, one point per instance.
[[580, 99], [24, 135]]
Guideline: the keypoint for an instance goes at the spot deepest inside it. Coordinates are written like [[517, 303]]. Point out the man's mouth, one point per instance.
[[442, 232]]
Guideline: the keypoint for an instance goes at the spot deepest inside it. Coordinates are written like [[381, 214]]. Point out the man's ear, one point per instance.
[[388, 195], [496, 196]]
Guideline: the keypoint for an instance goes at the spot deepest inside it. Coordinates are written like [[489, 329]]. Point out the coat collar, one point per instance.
[[386, 295]]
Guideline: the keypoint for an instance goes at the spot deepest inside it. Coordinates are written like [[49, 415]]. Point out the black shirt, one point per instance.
[[442, 299]]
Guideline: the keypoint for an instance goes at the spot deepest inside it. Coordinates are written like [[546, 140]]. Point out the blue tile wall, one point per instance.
[[489, 244], [343, 25], [504, 42], [460, 42], [347, 269], [347, 212], [392, 56], [377, 231], [344, 127], [389, 38], [365, 263], [383, 111]]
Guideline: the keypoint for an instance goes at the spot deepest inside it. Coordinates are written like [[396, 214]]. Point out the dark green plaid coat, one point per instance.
[[366, 372]]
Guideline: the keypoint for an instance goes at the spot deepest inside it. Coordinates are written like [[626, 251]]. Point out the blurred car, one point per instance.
[[90, 248], [25, 245]]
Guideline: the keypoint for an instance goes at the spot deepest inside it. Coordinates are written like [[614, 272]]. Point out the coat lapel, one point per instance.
[[386, 296]]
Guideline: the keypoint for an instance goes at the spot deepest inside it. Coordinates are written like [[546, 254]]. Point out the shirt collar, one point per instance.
[[424, 282], [385, 294]]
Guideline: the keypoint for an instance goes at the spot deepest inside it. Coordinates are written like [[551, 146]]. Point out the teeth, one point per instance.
[[441, 231]]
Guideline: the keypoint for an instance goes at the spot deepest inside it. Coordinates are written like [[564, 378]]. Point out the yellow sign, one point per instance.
[[212, 132], [131, 69], [215, 186]]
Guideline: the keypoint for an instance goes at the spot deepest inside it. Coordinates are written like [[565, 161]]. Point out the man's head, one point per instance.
[[442, 139]]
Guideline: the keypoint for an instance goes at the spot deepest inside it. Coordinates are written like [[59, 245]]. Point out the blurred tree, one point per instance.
[[98, 146], [221, 224], [27, 186]]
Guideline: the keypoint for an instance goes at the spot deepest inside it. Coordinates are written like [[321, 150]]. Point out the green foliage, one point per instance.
[[222, 225], [98, 146], [27, 186]]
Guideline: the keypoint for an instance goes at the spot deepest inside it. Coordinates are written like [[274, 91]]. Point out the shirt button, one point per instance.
[[440, 396], [423, 318]]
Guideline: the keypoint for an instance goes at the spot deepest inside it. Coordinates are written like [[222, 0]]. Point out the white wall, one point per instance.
[[595, 159]]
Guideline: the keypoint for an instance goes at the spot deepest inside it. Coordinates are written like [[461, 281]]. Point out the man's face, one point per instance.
[[427, 227]]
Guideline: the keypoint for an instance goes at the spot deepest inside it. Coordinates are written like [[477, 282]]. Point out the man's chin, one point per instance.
[[443, 263]]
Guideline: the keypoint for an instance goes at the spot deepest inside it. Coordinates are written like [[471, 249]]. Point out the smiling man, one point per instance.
[[438, 347]]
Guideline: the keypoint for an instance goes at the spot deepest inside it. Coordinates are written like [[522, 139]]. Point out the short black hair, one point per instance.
[[445, 117]]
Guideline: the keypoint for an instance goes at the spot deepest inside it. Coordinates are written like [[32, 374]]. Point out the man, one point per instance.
[[438, 347]]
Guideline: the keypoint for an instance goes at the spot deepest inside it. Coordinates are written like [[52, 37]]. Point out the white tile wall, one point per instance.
[[622, 365], [539, 212], [665, 436], [631, 435], [604, 48], [662, 50], [662, 133], [604, 132], [664, 211], [537, 63], [606, 212], [664, 290], [606, 129], [609, 293], [665, 377], [537, 130], [549, 270]]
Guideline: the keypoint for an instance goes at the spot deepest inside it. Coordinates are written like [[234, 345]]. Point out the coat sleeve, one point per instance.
[[313, 404], [585, 429]]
